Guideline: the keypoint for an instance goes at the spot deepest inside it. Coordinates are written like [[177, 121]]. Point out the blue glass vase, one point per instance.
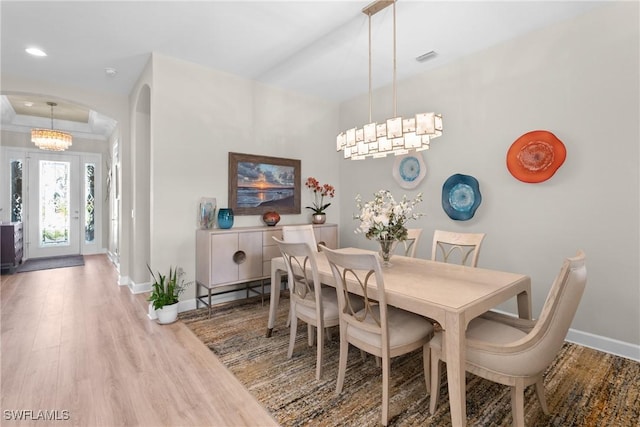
[[225, 218]]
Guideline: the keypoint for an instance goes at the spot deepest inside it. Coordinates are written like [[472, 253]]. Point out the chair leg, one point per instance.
[[540, 394], [292, 334], [319, 356], [310, 333], [290, 312], [435, 381], [342, 364], [517, 404], [386, 368], [426, 362]]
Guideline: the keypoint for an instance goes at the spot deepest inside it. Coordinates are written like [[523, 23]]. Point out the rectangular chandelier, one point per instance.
[[396, 135]]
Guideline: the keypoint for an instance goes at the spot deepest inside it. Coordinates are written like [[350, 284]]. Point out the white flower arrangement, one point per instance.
[[383, 218]]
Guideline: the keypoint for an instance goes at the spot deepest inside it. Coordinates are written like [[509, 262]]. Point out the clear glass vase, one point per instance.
[[387, 246]]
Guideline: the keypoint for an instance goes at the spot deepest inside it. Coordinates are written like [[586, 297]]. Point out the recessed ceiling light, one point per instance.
[[28, 104], [35, 51], [111, 72]]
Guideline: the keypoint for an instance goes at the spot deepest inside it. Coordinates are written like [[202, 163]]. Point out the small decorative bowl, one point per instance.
[[271, 218]]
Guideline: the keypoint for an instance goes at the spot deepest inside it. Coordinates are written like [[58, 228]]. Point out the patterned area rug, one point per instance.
[[584, 387], [34, 264]]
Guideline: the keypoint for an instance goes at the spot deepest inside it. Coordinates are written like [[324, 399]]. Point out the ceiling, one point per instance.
[[314, 47]]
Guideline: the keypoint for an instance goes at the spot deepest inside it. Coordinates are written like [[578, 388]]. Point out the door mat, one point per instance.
[[34, 264]]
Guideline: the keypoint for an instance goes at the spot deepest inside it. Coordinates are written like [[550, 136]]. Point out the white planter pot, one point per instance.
[[167, 314]]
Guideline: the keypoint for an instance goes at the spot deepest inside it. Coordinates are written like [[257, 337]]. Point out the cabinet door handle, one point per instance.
[[239, 257]]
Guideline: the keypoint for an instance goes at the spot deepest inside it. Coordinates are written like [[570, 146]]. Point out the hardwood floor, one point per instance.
[[78, 346]]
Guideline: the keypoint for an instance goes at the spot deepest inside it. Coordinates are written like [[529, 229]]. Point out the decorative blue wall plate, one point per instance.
[[409, 170], [461, 197]]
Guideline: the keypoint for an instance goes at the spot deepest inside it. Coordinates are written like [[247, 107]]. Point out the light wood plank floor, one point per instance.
[[75, 341]]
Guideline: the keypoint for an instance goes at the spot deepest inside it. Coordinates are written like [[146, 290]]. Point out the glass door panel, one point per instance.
[[55, 199], [54, 218]]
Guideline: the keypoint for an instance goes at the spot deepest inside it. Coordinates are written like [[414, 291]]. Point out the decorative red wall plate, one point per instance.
[[535, 156]]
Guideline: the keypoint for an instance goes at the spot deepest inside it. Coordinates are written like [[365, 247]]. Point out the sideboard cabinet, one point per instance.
[[242, 254], [11, 245]]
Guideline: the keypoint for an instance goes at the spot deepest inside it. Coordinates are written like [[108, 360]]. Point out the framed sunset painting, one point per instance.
[[259, 184]]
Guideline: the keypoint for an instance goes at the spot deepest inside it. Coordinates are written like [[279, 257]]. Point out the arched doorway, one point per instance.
[[58, 196]]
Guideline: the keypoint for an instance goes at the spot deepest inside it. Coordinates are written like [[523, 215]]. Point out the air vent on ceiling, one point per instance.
[[426, 56]]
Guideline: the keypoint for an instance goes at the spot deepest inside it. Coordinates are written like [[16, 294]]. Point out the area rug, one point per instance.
[[584, 387], [34, 264]]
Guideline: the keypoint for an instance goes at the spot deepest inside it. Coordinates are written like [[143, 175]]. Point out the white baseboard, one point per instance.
[[598, 342], [139, 288], [151, 313], [240, 294], [114, 260], [187, 305], [123, 280], [608, 345]]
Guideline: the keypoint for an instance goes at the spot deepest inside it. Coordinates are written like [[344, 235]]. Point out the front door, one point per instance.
[[54, 205]]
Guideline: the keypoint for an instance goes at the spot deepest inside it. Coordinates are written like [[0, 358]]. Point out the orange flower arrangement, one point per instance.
[[320, 191]]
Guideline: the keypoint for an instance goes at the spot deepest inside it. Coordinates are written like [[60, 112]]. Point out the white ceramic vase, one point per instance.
[[167, 314]]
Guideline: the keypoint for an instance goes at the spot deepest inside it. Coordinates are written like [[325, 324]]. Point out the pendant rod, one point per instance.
[[395, 99], [51, 104], [370, 77]]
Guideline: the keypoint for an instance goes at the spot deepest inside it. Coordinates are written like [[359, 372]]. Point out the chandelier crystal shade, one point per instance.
[[50, 139], [396, 135]]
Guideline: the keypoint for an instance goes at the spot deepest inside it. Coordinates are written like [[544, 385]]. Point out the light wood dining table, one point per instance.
[[450, 294]]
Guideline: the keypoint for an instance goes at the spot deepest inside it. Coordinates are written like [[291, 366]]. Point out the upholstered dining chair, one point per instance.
[[309, 302], [411, 243], [449, 246], [516, 352], [378, 329]]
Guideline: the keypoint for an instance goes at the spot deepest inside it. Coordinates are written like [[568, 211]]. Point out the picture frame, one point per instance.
[[259, 184]]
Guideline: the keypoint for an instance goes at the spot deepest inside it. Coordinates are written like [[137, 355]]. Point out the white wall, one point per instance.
[[578, 80], [198, 115]]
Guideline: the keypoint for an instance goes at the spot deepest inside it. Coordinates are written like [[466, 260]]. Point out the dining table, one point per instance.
[[450, 294]]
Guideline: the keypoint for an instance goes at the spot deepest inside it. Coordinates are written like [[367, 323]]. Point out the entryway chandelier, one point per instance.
[[396, 135], [50, 139]]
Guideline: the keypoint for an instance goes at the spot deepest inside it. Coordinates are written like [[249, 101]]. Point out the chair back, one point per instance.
[[547, 336], [460, 248], [355, 273], [534, 352], [302, 287], [300, 234], [411, 243]]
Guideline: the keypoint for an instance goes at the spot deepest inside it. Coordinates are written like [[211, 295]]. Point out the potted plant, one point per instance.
[[320, 191], [165, 292]]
